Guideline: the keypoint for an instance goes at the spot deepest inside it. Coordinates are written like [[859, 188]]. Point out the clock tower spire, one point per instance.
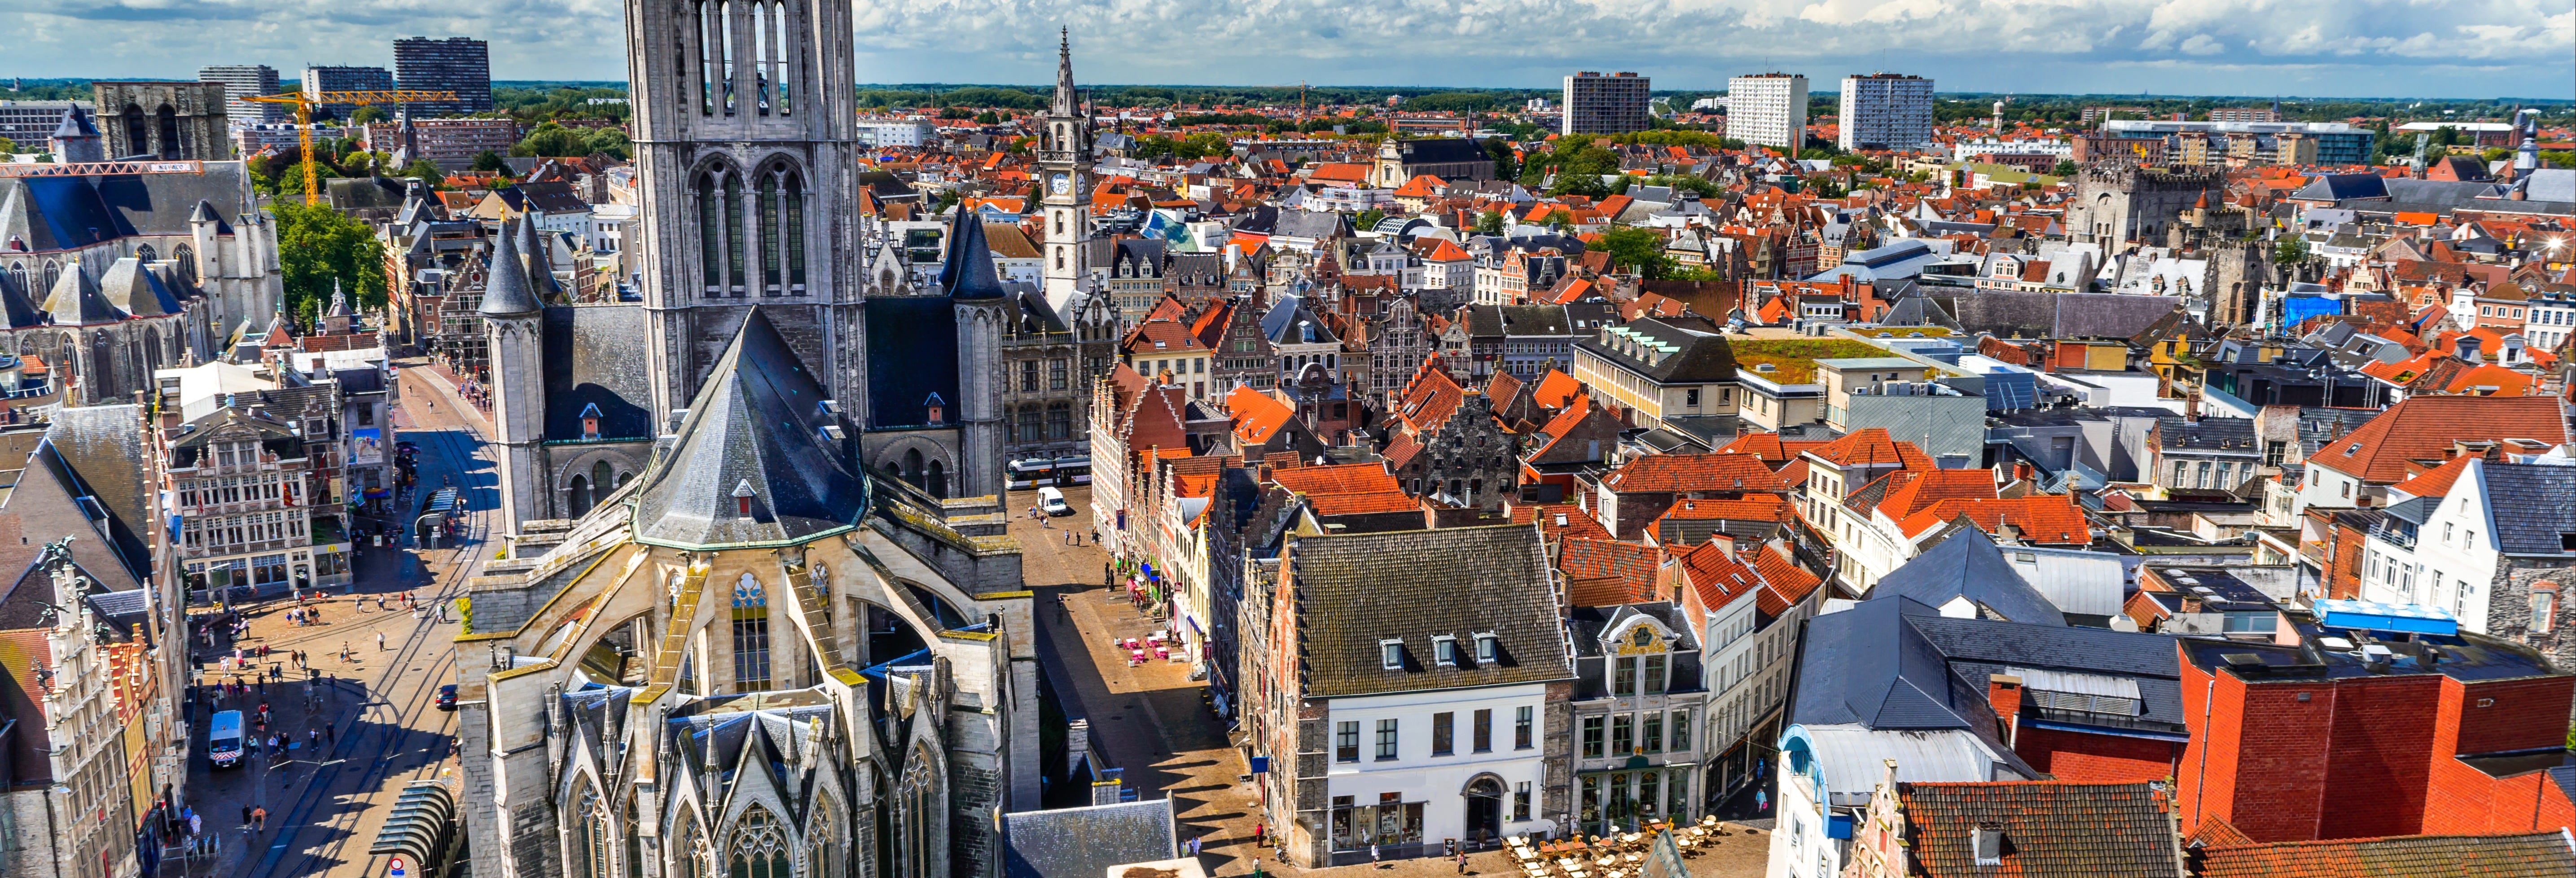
[[1064, 164]]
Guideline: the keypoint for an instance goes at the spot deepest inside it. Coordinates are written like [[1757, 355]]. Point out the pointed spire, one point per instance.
[[1064, 94], [506, 289], [968, 272]]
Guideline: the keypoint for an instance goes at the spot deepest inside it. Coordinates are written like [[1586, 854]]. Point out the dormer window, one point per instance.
[[590, 421], [1488, 648], [742, 494], [1444, 650], [1391, 654]]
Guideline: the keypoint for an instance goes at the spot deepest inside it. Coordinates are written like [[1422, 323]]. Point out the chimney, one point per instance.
[[2021, 471], [2003, 693]]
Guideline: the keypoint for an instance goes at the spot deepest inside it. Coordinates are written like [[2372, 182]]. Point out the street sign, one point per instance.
[[395, 870]]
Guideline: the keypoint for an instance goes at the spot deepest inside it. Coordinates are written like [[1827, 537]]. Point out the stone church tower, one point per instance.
[[1064, 163], [745, 151]]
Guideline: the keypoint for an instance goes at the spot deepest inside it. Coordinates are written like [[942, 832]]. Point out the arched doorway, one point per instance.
[[936, 480], [1484, 797], [602, 480], [912, 467], [578, 499]]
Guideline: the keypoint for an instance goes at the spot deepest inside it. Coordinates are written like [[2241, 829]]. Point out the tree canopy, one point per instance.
[[317, 246]]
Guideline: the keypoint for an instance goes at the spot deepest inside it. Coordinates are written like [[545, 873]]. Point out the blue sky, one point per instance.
[[2417, 48]]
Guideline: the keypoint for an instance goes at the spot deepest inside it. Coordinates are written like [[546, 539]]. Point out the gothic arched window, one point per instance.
[[577, 499], [822, 848], [145, 253], [919, 798], [634, 852], [787, 56], [750, 635], [763, 45], [724, 50], [590, 836], [53, 275], [794, 238], [758, 847], [138, 133], [710, 234], [770, 236], [733, 219], [601, 479], [708, 34], [169, 143], [18, 273]]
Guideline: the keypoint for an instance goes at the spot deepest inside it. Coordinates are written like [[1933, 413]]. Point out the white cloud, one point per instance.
[[2411, 47]]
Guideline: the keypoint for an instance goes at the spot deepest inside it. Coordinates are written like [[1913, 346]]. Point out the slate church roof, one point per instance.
[[596, 357], [754, 433], [1087, 841]]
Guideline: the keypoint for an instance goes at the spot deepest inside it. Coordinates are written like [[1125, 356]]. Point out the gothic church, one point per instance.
[[760, 613]]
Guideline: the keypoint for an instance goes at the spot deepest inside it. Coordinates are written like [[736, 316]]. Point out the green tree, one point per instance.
[[1505, 165], [2291, 250], [7, 146], [551, 140], [987, 118], [317, 246], [366, 114], [427, 171], [611, 142], [1204, 144], [1368, 219], [1489, 223], [488, 160], [1639, 249], [2065, 168]]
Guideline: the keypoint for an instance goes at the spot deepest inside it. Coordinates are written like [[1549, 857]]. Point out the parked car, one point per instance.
[[447, 697]]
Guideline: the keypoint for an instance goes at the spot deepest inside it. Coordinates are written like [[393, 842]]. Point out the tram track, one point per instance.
[[397, 697]]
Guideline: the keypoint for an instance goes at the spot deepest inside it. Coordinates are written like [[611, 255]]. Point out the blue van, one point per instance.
[[224, 739]]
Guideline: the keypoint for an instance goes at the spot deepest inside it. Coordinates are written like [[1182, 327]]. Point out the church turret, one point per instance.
[[76, 140], [514, 336], [971, 282]]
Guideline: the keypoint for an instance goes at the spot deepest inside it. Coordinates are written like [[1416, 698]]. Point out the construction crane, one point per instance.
[[304, 103]]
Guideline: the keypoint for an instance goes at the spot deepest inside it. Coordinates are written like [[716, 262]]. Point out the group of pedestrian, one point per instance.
[[303, 616]]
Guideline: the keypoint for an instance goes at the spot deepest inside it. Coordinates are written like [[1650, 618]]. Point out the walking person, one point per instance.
[[245, 819], [380, 641], [1374, 862]]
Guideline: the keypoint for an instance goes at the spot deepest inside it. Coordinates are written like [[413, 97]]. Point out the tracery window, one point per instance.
[[758, 847], [591, 835], [750, 635]]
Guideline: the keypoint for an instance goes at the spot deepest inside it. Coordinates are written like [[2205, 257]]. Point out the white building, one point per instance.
[[896, 132], [1768, 109], [1885, 111]]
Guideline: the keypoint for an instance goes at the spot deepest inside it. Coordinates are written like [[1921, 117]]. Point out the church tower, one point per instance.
[[1064, 163], [975, 289], [513, 333], [745, 156]]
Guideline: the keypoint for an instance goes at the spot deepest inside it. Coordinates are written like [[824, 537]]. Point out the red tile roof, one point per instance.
[[1256, 415], [1872, 447], [1603, 573], [1678, 473], [1768, 447], [1357, 504], [1353, 478], [2436, 482], [2423, 428], [1554, 388], [1578, 523], [2047, 519], [1911, 491]]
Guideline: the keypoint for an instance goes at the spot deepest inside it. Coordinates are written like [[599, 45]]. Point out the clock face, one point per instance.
[[1060, 184]]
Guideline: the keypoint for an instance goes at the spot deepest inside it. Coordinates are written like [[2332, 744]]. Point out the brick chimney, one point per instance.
[[2003, 693]]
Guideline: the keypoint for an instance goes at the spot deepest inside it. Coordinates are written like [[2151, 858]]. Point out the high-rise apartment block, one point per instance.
[[29, 124], [459, 64], [1768, 109], [322, 79], [1597, 104], [1886, 111], [242, 82], [2245, 114]]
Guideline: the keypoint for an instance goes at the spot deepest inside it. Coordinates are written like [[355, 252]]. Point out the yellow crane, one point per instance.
[[305, 102]]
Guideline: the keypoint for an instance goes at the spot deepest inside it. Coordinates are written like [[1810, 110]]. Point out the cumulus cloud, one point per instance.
[[2396, 47]]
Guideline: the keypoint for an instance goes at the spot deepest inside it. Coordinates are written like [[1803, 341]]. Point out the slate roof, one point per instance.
[[507, 289], [753, 430], [68, 213], [77, 301], [17, 304], [919, 332], [1895, 663], [133, 288], [967, 272], [1703, 354], [1969, 565], [2530, 502], [2049, 828], [1289, 321], [1086, 842], [1492, 579], [2207, 434], [1535, 320], [2416, 856], [596, 356], [2020, 314]]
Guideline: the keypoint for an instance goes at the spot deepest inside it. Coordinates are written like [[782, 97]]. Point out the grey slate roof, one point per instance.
[[1085, 842], [77, 301], [17, 305], [1968, 564], [1536, 320], [1489, 579], [507, 290], [968, 271], [919, 332], [595, 356], [1289, 321], [1704, 355], [68, 213], [1895, 663], [2207, 434], [2013, 313], [753, 431], [75, 124], [1945, 427], [131, 286], [2533, 514]]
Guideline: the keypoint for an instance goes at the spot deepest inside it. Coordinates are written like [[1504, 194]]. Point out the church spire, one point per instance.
[[1064, 97]]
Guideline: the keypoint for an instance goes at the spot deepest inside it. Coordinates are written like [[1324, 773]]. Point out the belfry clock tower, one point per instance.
[[1064, 169]]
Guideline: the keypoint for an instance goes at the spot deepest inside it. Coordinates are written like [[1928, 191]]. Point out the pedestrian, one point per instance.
[[1260, 832], [1373, 860], [260, 816], [1462, 861], [380, 641], [245, 819], [328, 733]]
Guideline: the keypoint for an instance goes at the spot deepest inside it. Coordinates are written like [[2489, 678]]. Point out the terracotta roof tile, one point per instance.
[[2423, 428], [1354, 478], [1606, 573], [1578, 523], [1678, 473], [1357, 504], [2049, 828], [1555, 388], [2414, 856]]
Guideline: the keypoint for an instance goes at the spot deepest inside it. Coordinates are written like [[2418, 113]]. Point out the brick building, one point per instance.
[[2377, 721]]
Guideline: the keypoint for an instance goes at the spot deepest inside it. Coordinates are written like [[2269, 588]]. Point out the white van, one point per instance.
[[1051, 502], [224, 739]]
